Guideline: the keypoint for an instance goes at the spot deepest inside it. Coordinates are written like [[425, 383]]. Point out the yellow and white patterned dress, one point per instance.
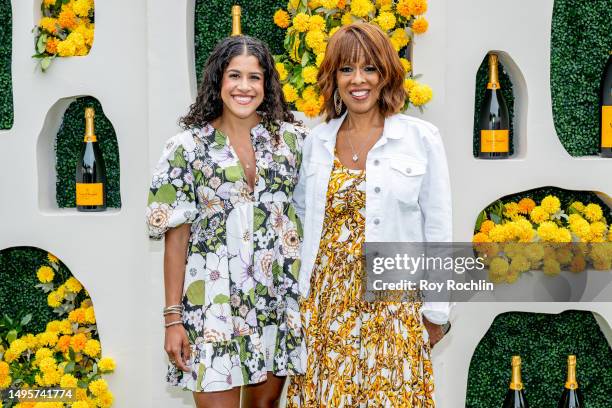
[[360, 354]]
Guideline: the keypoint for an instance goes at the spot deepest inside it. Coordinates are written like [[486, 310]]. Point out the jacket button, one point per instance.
[[377, 189], [376, 221], [376, 162], [408, 170]]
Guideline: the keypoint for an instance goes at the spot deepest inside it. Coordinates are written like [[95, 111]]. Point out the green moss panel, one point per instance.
[[581, 39], [543, 341], [68, 147], [6, 84], [18, 294], [482, 78], [213, 21]]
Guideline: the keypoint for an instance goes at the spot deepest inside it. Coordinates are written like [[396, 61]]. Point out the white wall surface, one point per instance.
[[140, 69]]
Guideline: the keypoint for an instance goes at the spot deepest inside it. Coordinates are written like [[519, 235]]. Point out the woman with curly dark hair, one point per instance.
[[221, 196]]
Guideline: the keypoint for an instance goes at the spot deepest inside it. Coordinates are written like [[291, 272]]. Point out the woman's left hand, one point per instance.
[[435, 331]]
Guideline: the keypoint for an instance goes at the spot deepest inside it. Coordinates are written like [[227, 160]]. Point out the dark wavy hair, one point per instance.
[[208, 104]]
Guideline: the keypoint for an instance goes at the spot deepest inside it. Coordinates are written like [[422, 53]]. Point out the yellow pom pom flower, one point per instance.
[[420, 94], [316, 23], [498, 269], [300, 22], [48, 24], [310, 74], [399, 38], [577, 205], [486, 226], [282, 71], [78, 342], [82, 7], [73, 285], [551, 204], [361, 8], [511, 209], [346, 19], [316, 41], [105, 399], [54, 299], [417, 7], [320, 58], [106, 364], [282, 19], [67, 19], [311, 108], [290, 93], [420, 25], [92, 348], [480, 237], [68, 381], [551, 267], [406, 64], [526, 205], [539, 215], [45, 274], [593, 212], [66, 48], [329, 4], [403, 8], [386, 20], [409, 84], [98, 387]]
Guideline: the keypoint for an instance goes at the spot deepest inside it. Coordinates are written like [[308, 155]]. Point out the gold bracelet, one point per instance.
[[173, 323]]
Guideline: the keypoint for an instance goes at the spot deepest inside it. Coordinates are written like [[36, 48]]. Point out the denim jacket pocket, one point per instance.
[[406, 177]]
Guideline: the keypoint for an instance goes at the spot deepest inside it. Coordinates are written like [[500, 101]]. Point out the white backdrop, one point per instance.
[[141, 70]]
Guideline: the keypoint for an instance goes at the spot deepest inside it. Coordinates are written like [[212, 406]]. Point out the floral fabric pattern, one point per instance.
[[240, 292], [360, 354]]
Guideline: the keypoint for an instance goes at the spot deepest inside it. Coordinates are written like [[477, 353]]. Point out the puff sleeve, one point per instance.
[[172, 197]]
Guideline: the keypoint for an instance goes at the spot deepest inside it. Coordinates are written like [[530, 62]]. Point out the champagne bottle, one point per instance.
[[605, 101], [515, 397], [571, 396], [494, 118], [236, 26], [90, 172]]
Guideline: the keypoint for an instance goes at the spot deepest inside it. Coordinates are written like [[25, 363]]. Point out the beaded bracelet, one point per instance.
[[173, 323]]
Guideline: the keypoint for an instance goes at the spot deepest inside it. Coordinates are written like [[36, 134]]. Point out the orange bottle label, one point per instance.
[[606, 126], [89, 194], [494, 141]]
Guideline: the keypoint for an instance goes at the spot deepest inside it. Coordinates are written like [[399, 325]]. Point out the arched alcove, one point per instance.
[[514, 90], [579, 47], [543, 341], [58, 148], [6, 48]]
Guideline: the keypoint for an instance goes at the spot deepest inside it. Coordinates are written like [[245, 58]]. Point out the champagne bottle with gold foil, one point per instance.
[[515, 397], [605, 103], [236, 25], [90, 172], [571, 396], [494, 118]]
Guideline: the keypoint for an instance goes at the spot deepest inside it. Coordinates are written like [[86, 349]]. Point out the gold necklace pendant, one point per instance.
[[355, 158]]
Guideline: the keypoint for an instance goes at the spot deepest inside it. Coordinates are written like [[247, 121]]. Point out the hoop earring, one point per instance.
[[337, 102]]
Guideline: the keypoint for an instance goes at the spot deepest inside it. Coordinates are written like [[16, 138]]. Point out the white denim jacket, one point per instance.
[[408, 196]]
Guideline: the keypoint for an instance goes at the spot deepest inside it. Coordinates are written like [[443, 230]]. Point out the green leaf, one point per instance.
[[151, 197], [495, 218], [481, 218], [259, 217], [69, 367], [261, 290], [166, 194], [26, 319], [195, 293], [276, 270], [41, 44], [178, 160], [219, 138], [233, 173], [221, 299], [11, 336], [291, 140], [305, 58], [45, 63], [295, 269]]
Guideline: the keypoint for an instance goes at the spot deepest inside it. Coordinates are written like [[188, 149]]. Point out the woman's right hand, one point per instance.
[[177, 346]]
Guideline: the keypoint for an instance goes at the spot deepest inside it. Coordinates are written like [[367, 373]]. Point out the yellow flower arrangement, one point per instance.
[[66, 30], [310, 25], [66, 354], [544, 237]]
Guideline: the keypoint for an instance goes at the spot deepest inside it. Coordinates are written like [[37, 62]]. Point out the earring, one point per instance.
[[337, 102]]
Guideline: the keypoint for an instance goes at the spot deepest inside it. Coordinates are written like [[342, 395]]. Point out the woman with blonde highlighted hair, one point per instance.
[[369, 174]]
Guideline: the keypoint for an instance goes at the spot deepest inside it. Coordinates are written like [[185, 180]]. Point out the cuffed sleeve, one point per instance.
[[436, 207], [172, 196]]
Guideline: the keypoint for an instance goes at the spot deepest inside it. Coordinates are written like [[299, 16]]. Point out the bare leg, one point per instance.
[[218, 399], [264, 395]]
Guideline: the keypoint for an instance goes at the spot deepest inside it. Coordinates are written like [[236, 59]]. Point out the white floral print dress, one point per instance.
[[241, 292]]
